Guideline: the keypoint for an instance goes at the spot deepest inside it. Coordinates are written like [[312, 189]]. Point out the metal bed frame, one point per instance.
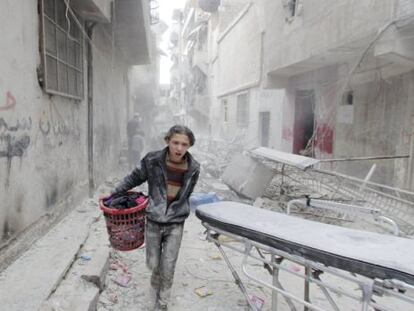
[[369, 289]]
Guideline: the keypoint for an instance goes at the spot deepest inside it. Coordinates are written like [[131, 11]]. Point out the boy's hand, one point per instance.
[[104, 196]]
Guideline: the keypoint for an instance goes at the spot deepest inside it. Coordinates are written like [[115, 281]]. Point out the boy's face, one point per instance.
[[178, 146]]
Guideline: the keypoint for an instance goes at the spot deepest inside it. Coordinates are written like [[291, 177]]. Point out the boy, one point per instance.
[[172, 174]]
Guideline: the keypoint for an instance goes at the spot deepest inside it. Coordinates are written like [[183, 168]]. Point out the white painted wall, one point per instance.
[[237, 68], [322, 26], [272, 101], [239, 59], [405, 8]]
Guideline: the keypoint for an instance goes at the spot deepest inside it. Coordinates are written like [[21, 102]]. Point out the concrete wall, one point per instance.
[[315, 51], [110, 102], [43, 139], [320, 27], [259, 101], [239, 54], [379, 125], [236, 60]]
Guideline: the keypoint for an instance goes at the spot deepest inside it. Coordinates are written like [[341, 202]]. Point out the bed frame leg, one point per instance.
[[236, 277], [307, 287], [316, 275], [275, 278], [366, 296]]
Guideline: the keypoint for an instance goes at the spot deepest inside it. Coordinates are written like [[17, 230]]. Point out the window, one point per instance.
[[61, 50], [225, 110], [242, 110], [292, 8], [349, 98]]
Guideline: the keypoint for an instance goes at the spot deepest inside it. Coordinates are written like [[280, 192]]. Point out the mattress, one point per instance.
[[370, 254]]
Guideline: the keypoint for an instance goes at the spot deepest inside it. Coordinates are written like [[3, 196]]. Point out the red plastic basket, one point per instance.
[[126, 227]]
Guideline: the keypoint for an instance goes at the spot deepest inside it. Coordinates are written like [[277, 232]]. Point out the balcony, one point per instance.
[[309, 43], [93, 10], [132, 31]]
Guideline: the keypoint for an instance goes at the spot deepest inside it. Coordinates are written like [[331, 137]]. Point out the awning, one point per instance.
[[132, 31], [93, 10]]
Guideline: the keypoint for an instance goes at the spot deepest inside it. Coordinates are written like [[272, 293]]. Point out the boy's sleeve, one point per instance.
[[138, 176]]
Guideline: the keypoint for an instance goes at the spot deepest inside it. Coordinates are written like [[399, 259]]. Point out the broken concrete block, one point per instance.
[[73, 295], [246, 176], [203, 291]]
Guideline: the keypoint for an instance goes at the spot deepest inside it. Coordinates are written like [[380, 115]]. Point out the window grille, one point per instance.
[[242, 110], [61, 50], [154, 12]]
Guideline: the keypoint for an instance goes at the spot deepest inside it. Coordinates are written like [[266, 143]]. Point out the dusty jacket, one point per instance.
[[153, 170]]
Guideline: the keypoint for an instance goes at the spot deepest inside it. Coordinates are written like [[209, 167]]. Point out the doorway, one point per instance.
[[304, 122]]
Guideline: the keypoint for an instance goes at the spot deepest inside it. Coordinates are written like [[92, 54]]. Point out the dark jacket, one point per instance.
[[154, 170]]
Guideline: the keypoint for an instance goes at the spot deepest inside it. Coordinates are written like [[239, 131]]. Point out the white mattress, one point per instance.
[[378, 255]]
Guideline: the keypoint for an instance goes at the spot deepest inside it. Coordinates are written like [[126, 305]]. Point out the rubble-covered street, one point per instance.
[[268, 143]]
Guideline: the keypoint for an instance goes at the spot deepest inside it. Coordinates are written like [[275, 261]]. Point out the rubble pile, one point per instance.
[[215, 155]]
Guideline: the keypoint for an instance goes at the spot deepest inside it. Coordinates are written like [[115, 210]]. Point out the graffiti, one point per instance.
[[44, 127], [58, 128], [21, 124], [61, 129], [12, 146], [52, 122], [10, 102]]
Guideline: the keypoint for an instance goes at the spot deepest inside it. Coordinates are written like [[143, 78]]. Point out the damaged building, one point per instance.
[[326, 80]]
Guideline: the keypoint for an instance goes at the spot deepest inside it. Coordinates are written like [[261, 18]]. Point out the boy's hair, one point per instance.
[[180, 129]]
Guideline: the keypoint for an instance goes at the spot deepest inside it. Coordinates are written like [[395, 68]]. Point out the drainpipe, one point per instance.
[[89, 32], [410, 179]]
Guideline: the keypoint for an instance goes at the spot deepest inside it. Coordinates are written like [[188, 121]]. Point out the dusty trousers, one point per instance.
[[162, 242]]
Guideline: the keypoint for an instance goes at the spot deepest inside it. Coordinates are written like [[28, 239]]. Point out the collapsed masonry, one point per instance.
[[296, 184]]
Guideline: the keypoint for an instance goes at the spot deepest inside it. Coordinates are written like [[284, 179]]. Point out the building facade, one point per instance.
[[346, 67], [64, 101], [327, 79]]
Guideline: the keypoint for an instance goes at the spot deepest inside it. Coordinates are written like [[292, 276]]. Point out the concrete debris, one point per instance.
[[257, 301], [122, 280], [242, 302], [220, 186], [246, 176], [215, 257], [113, 298], [118, 264], [203, 291], [85, 257]]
